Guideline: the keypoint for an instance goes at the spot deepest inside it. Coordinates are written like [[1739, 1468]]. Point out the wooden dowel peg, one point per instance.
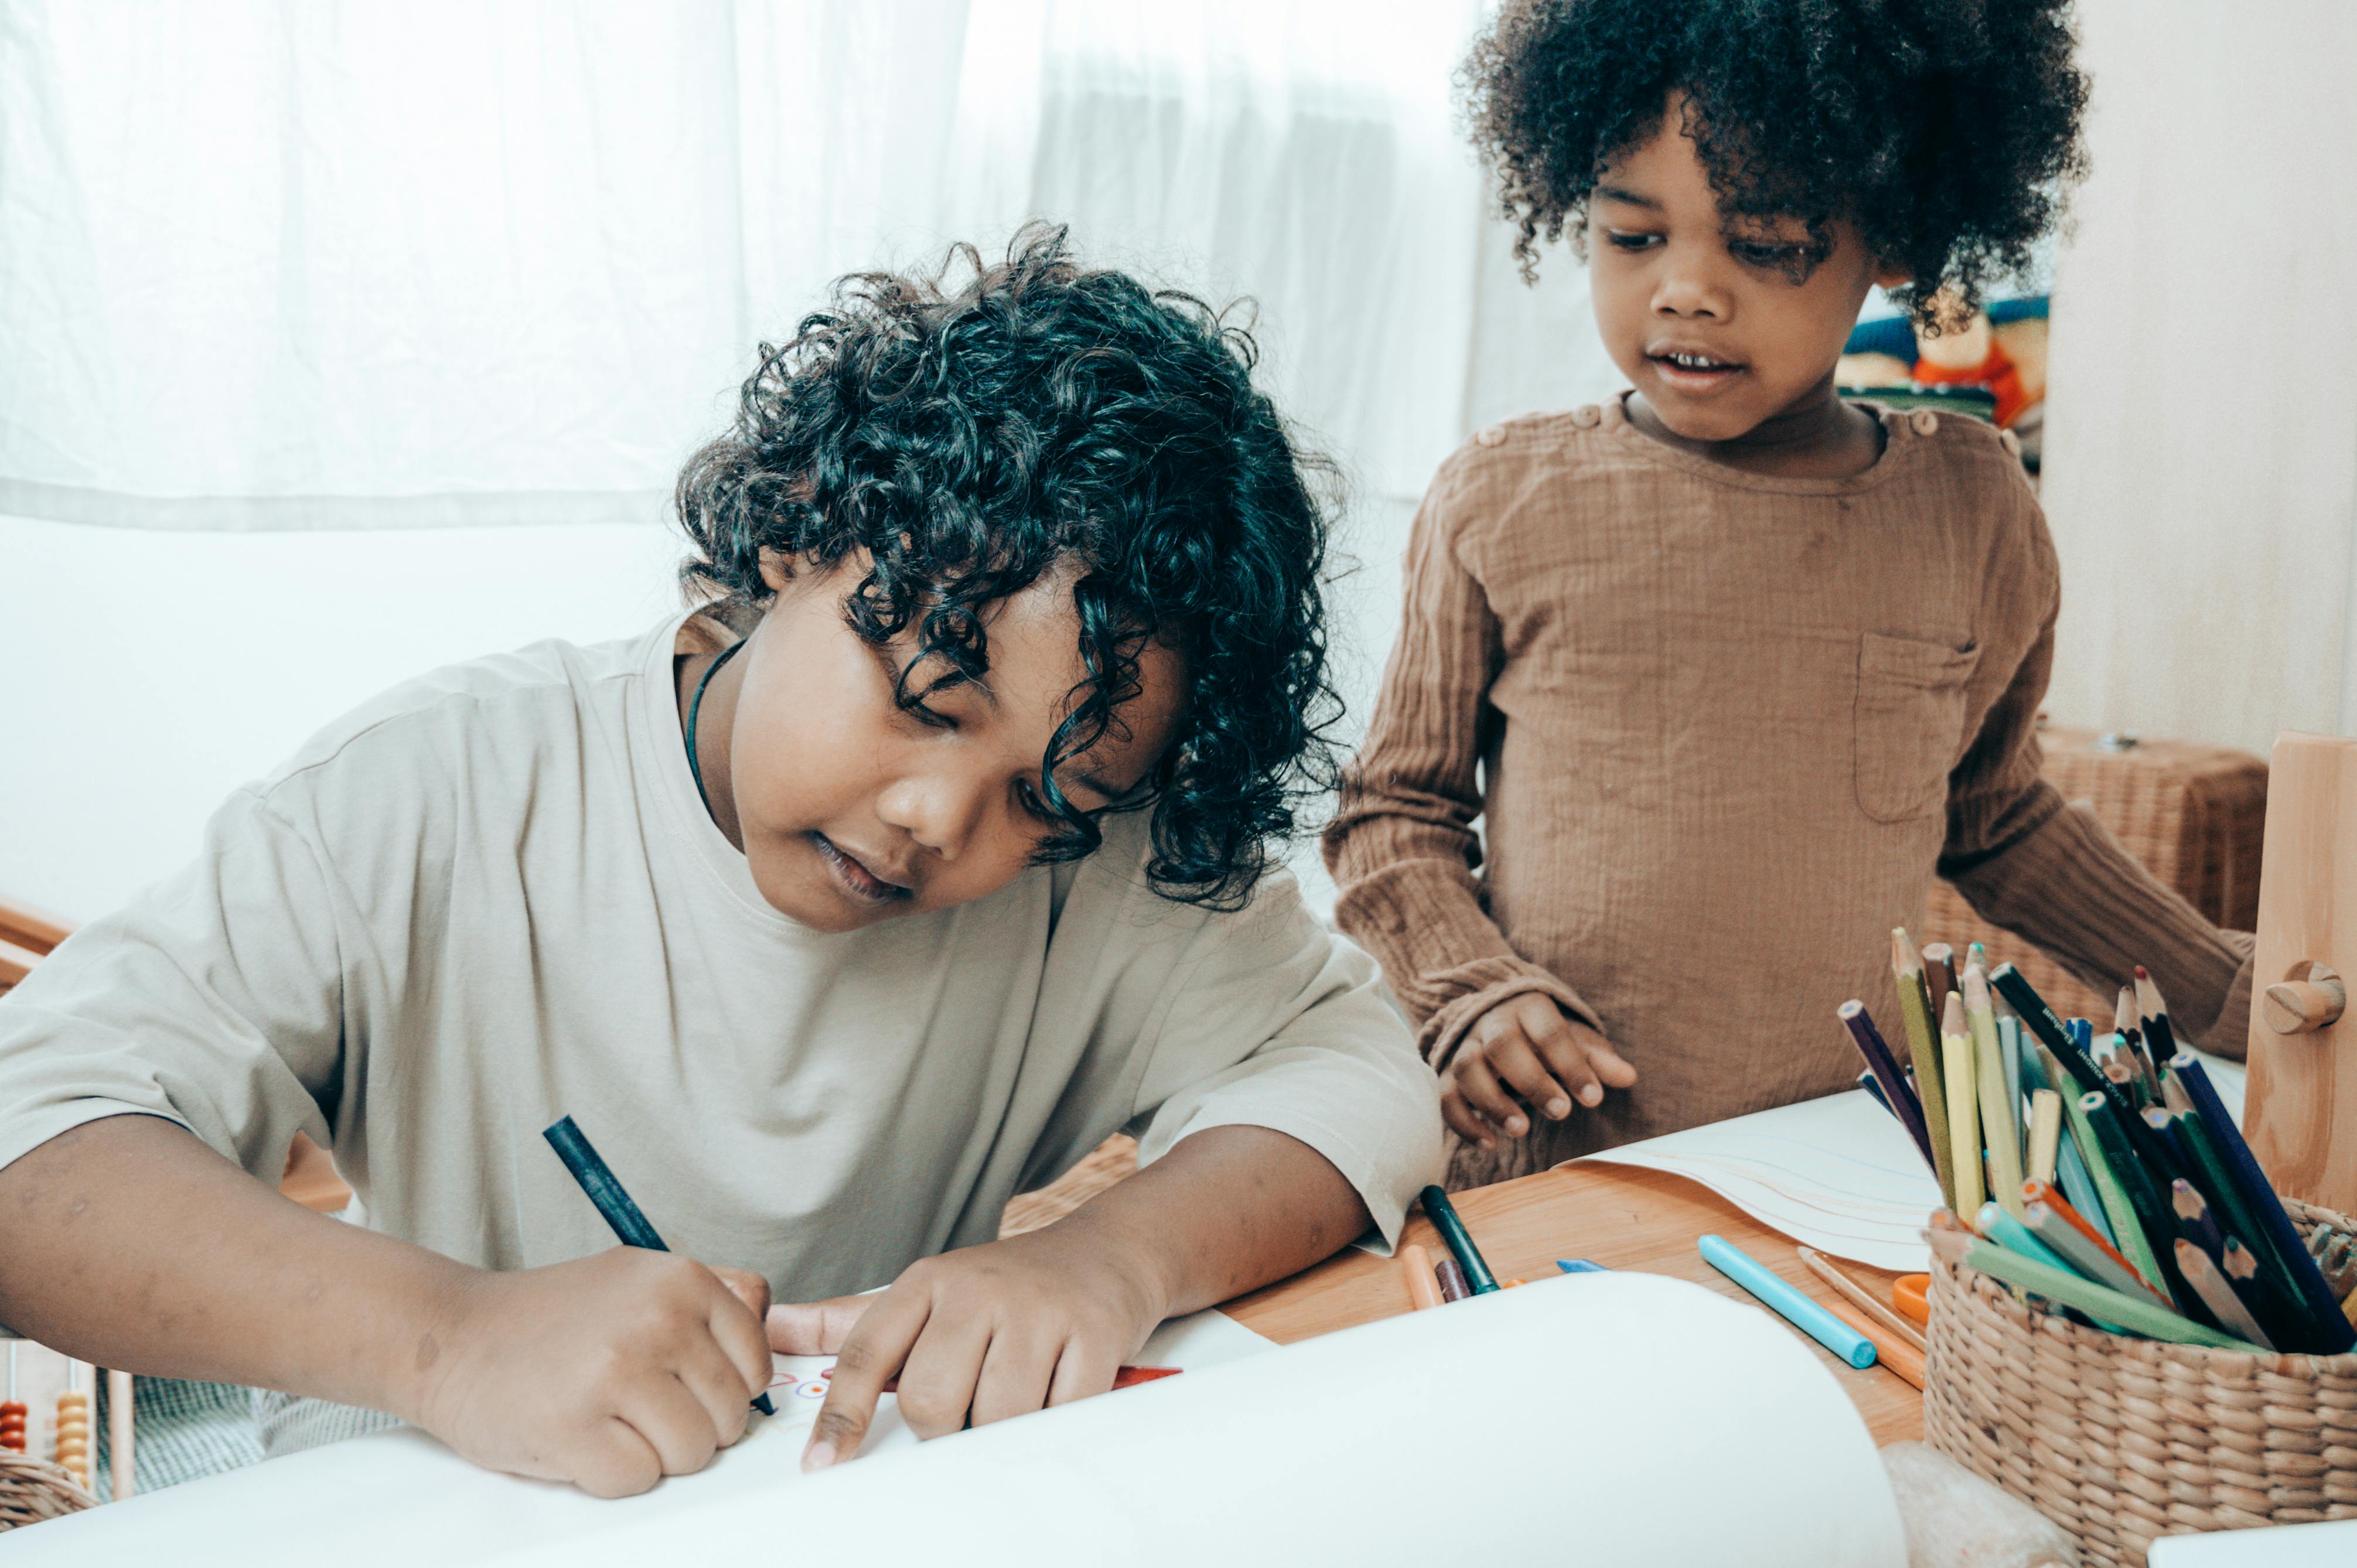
[[2303, 1006], [2300, 1105]]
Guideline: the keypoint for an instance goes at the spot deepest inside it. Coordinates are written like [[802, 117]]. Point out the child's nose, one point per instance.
[[1688, 291], [940, 810]]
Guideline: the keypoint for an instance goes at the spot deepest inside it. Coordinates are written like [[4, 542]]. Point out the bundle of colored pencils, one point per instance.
[[2104, 1176]]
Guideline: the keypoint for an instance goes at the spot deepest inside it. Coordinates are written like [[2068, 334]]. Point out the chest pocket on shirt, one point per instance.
[[1909, 724]]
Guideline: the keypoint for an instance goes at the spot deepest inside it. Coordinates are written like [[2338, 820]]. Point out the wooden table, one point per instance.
[[1618, 1216]]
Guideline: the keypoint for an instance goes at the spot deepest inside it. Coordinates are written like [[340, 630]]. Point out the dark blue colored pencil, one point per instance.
[[597, 1180], [2193, 1220], [1897, 1097], [2332, 1333]]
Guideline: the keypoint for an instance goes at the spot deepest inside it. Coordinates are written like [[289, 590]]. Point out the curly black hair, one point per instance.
[[1040, 416], [1947, 131]]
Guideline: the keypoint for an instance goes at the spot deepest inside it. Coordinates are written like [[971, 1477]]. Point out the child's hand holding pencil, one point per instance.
[[610, 1372]]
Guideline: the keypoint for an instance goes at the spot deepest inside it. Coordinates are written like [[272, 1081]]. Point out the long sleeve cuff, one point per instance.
[[1476, 987], [2073, 889], [1447, 963]]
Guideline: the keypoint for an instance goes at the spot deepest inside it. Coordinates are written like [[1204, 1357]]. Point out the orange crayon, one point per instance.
[[1416, 1269]]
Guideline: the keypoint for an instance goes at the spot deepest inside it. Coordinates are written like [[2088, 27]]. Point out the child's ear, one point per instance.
[[775, 569]]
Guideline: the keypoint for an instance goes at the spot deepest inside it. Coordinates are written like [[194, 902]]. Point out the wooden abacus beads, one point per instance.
[[12, 1412], [73, 1435]]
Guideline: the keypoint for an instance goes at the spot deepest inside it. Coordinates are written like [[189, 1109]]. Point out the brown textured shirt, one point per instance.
[[1717, 730]]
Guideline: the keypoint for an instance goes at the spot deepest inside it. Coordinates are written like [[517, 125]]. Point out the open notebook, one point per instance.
[[1626, 1419]]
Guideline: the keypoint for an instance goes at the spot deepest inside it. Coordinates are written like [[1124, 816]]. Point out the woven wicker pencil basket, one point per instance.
[[34, 1489], [2121, 1440]]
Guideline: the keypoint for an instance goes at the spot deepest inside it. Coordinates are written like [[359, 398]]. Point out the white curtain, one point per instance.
[[2202, 432], [306, 265]]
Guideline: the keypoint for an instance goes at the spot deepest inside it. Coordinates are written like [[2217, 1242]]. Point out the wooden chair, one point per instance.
[[26, 935]]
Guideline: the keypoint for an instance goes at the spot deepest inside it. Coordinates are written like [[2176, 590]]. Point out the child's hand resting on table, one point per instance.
[[974, 1336], [611, 1371], [1526, 1046]]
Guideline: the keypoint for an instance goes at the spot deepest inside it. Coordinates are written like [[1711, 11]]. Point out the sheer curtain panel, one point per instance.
[[355, 266]]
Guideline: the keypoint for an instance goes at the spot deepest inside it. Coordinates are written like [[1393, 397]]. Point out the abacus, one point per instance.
[[73, 1453], [49, 1449], [12, 1410], [48, 1453]]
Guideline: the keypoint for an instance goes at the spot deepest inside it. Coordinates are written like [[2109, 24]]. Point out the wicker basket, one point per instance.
[[2120, 1440], [34, 1489]]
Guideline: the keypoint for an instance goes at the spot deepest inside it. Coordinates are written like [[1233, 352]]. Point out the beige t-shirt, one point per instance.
[[490, 897]]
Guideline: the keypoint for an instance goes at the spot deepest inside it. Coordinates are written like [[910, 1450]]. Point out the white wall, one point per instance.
[[2202, 437], [152, 672]]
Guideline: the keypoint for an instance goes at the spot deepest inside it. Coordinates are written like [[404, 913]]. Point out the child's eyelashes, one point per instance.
[[1765, 253], [1034, 806], [1774, 256], [930, 716]]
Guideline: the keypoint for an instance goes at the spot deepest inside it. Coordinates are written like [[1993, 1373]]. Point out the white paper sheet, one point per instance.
[[2332, 1545], [1626, 1419], [1839, 1173], [1622, 1419], [402, 1499], [798, 1383]]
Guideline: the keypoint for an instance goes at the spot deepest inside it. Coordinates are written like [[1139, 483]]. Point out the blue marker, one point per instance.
[[1787, 1302], [1580, 1266]]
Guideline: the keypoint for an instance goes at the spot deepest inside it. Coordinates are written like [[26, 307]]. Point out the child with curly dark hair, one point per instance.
[[1728, 667], [931, 847]]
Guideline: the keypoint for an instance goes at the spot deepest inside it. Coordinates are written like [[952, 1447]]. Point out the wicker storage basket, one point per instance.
[[2120, 1440], [2195, 815], [34, 1489]]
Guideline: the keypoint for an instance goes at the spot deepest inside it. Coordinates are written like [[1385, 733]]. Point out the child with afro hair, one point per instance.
[[1729, 668]]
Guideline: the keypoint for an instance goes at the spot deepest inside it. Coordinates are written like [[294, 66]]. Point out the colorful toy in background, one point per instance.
[[1993, 366]]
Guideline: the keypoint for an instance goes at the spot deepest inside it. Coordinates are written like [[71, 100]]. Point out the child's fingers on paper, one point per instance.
[[1518, 1065], [871, 1353], [1016, 1372], [618, 1463], [712, 1376], [742, 1340], [746, 1286], [674, 1424], [814, 1327], [1481, 1089], [944, 1368], [1083, 1369]]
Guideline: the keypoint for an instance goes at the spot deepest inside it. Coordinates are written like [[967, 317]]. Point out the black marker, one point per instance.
[[597, 1181]]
